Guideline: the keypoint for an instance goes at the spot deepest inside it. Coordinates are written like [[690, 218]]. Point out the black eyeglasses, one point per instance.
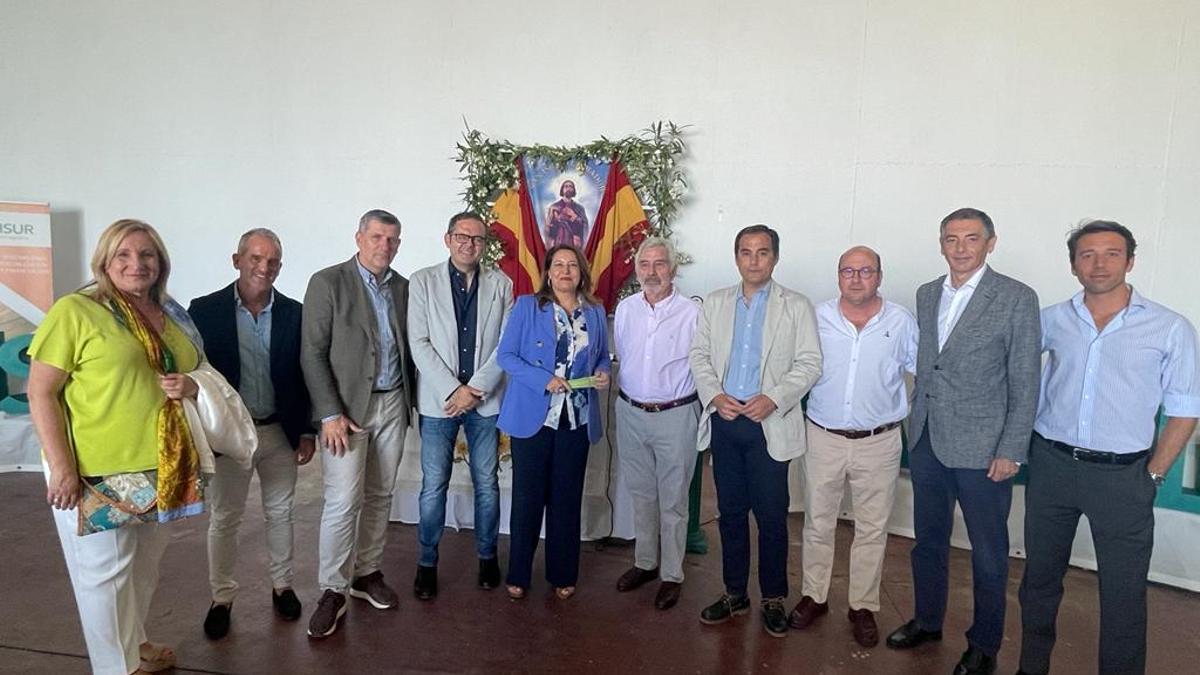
[[860, 272], [460, 238]]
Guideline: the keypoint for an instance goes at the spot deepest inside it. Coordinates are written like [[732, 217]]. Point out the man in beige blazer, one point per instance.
[[360, 376], [457, 310], [755, 354]]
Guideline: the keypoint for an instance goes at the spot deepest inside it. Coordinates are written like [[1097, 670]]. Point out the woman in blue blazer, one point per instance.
[[555, 335]]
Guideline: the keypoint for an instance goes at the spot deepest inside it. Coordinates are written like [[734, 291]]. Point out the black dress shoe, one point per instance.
[[216, 624], [489, 573], [635, 577], [910, 635], [425, 585], [286, 604], [775, 619], [668, 594], [725, 609], [975, 662]]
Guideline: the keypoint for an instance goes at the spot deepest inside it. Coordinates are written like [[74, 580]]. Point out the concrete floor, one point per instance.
[[469, 630]]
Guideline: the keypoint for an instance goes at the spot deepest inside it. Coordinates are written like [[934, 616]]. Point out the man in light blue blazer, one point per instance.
[[756, 353], [456, 312], [978, 362]]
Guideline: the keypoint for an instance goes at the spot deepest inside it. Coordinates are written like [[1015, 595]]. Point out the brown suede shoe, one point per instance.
[[806, 611], [866, 633]]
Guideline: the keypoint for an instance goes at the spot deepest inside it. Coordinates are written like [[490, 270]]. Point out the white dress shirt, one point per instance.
[[953, 302], [652, 344], [862, 374]]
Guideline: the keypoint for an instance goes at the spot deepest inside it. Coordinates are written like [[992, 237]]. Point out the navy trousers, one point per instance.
[[548, 471], [985, 505], [748, 479]]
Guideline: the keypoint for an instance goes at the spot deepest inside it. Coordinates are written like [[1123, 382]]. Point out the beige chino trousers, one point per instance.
[[871, 465]]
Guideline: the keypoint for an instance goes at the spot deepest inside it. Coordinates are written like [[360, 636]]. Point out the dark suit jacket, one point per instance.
[[215, 317], [978, 396], [341, 338]]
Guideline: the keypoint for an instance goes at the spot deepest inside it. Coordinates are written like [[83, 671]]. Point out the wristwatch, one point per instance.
[[1158, 478]]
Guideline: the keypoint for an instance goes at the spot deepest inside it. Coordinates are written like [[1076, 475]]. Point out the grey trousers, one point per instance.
[[657, 455], [1118, 501], [358, 494]]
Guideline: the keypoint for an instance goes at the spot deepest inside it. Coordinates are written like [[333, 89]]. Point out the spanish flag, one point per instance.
[[620, 227], [515, 225]]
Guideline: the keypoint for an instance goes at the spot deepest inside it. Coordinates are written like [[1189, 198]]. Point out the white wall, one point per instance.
[[839, 122], [836, 121]]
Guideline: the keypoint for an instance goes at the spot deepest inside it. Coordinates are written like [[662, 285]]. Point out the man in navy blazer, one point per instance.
[[252, 336], [978, 363]]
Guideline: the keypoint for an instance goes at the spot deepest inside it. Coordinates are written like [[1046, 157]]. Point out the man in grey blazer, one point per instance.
[[456, 312], [754, 356], [978, 363], [360, 376]]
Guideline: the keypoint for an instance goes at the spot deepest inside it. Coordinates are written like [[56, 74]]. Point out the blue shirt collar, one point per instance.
[[237, 299], [368, 276]]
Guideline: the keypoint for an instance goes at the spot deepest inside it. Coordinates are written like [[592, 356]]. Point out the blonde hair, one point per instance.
[[106, 250]]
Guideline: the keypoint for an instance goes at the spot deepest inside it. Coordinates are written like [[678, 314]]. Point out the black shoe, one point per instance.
[[489, 573], [287, 605], [725, 609], [775, 618], [635, 577], [910, 635], [975, 662], [668, 594], [216, 624], [330, 610], [425, 585]]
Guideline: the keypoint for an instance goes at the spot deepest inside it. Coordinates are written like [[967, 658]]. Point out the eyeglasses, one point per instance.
[[860, 272], [462, 239]]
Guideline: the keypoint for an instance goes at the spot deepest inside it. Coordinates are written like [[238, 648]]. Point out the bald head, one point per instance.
[[859, 275], [860, 249]]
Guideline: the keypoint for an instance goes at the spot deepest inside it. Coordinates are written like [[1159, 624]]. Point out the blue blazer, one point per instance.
[[526, 353]]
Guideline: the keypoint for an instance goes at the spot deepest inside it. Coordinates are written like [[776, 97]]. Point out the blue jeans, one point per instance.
[[438, 437]]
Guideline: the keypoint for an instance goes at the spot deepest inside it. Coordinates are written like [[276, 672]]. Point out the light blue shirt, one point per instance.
[[387, 365], [862, 372], [743, 376], [1101, 390], [254, 355]]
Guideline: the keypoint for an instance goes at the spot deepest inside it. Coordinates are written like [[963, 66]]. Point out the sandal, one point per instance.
[[156, 657], [564, 592], [515, 592]]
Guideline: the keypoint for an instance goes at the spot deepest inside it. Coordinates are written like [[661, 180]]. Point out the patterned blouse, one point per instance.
[[572, 333]]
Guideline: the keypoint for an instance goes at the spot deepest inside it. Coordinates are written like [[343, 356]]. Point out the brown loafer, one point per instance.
[[866, 633], [805, 612], [668, 594], [636, 577]]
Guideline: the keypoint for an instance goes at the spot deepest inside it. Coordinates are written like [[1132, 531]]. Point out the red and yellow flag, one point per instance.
[[515, 225], [620, 227]]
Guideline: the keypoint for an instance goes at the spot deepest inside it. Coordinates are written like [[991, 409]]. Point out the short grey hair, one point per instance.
[[657, 242], [259, 232], [382, 216]]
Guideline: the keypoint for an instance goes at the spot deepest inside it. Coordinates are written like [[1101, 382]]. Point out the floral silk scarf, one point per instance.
[[180, 492]]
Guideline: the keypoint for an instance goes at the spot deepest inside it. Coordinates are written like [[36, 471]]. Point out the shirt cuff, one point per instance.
[[1181, 405]]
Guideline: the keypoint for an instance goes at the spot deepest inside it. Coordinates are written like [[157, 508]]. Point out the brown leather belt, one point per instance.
[[855, 434], [659, 407], [1095, 456], [264, 421]]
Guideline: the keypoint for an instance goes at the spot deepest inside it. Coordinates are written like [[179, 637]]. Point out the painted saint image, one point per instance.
[[566, 221]]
